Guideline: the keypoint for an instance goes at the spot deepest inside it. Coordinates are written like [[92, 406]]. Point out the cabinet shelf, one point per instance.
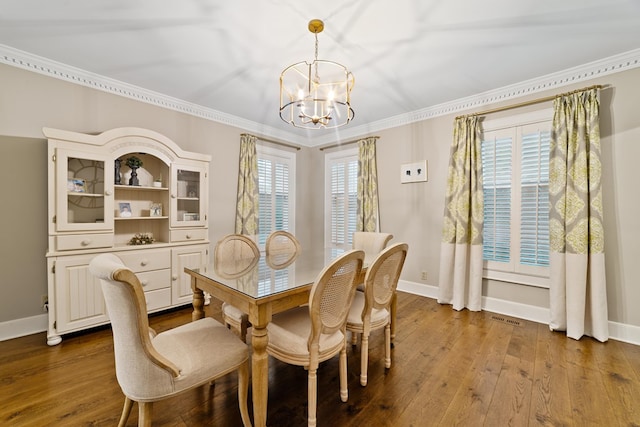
[[139, 188], [136, 218], [76, 194]]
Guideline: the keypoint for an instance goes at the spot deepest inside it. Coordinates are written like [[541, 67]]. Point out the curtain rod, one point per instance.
[[526, 103], [326, 147], [284, 144]]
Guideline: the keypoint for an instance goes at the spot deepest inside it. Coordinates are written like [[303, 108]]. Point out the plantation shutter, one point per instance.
[[534, 179], [496, 185], [344, 202]]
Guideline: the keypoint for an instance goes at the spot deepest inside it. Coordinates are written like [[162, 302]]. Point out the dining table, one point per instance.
[[261, 287]]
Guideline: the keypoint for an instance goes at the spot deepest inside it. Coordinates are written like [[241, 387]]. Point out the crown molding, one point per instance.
[[603, 67], [613, 64]]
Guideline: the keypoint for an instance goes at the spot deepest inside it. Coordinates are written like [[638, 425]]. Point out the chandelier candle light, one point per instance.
[[316, 95]]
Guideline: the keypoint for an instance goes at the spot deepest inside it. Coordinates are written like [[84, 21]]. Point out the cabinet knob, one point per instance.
[[173, 196], [108, 192], [174, 277], [144, 282], [85, 242], [144, 262], [188, 236]]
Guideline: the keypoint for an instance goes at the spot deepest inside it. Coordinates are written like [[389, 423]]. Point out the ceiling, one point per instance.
[[225, 57]]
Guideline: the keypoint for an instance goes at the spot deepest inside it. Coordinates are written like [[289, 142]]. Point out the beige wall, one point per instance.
[[412, 212]]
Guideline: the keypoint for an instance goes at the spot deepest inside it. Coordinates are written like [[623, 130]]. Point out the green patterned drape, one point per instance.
[[367, 186], [578, 294], [461, 247], [247, 202]]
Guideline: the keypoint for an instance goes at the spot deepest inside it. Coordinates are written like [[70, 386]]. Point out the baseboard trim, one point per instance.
[[617, 331], [22, 327]]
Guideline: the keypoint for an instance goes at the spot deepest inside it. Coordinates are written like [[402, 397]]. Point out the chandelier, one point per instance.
[[316, 95]]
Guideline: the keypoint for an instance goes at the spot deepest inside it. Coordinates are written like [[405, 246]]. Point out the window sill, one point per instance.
[[518, 279]]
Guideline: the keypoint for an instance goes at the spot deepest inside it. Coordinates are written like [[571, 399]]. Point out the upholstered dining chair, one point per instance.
[[151, 367], [308, 335], [372, 243], [231, 249], [371, 309]]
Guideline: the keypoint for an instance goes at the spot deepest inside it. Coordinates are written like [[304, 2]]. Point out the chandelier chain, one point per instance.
[[316, 59]]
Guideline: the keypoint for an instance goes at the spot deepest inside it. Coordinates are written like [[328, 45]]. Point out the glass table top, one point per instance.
[[266, 276]]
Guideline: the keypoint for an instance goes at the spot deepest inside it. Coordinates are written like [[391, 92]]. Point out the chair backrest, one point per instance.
[[332, 294], [281, 241], [382, 277], [141, 371], [370, 242], [235, 246]]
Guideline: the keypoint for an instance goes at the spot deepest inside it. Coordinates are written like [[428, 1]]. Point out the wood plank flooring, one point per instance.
[[449, 368]]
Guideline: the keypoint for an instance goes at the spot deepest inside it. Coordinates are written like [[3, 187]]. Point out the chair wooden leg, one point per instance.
[[145, 411], [344, 391], [244, 322], [243, 393], [354, 338], [387, 346], [312, 391], [364, 359], [126, 411]]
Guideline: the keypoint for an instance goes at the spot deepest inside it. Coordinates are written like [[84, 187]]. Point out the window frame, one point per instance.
[[337, 157], [515, 272], [276, 155]]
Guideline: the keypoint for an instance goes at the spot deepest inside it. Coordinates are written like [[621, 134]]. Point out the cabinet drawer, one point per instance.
[[146, 260], [156, 279], [188, 235], [160, 298], [84, 241]]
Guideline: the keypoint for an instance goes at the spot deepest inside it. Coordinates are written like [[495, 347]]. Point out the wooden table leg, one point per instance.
[[198, 301], [260, 375]]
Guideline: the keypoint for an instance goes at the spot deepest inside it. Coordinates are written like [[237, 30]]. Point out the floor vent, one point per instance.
[[508, 321]]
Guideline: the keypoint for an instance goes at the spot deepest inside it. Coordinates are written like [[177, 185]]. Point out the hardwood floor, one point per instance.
[[449, 368]]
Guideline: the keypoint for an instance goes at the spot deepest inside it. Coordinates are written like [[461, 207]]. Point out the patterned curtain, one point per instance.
[[247, 203], [367, 186], [578, 294], [461, 247]]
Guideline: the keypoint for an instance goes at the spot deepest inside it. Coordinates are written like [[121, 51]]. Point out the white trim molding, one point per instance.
[[617, 331], [22, 327], [603, 67]]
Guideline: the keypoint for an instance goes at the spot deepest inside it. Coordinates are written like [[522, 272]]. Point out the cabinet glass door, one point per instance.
[[188, 197], [84, 192]]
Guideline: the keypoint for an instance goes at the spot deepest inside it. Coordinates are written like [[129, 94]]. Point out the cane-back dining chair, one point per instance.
[[371, 309], [234, 249], [308, 335], [281, 249], [151, 367]]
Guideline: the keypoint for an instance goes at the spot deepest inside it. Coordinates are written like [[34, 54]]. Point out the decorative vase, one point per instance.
[[134, 177], [116, 171]]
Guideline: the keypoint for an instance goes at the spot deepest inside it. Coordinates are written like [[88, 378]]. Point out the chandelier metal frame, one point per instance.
[[316, 95]]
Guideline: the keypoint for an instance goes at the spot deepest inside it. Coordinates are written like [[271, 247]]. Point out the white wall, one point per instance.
[[412, 212]]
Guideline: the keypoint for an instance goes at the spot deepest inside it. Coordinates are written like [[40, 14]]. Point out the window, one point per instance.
[[515, 175], [341, 198], [276, 188]]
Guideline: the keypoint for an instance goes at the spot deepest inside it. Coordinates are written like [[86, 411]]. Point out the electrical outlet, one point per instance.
[[423, 275], [44, 302]]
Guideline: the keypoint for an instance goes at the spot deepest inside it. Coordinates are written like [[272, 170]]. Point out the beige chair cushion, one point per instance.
[[289, 334], [379, 317], [201, 350]]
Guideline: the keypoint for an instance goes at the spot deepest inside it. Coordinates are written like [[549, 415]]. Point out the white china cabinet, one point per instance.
[[131, 192]]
